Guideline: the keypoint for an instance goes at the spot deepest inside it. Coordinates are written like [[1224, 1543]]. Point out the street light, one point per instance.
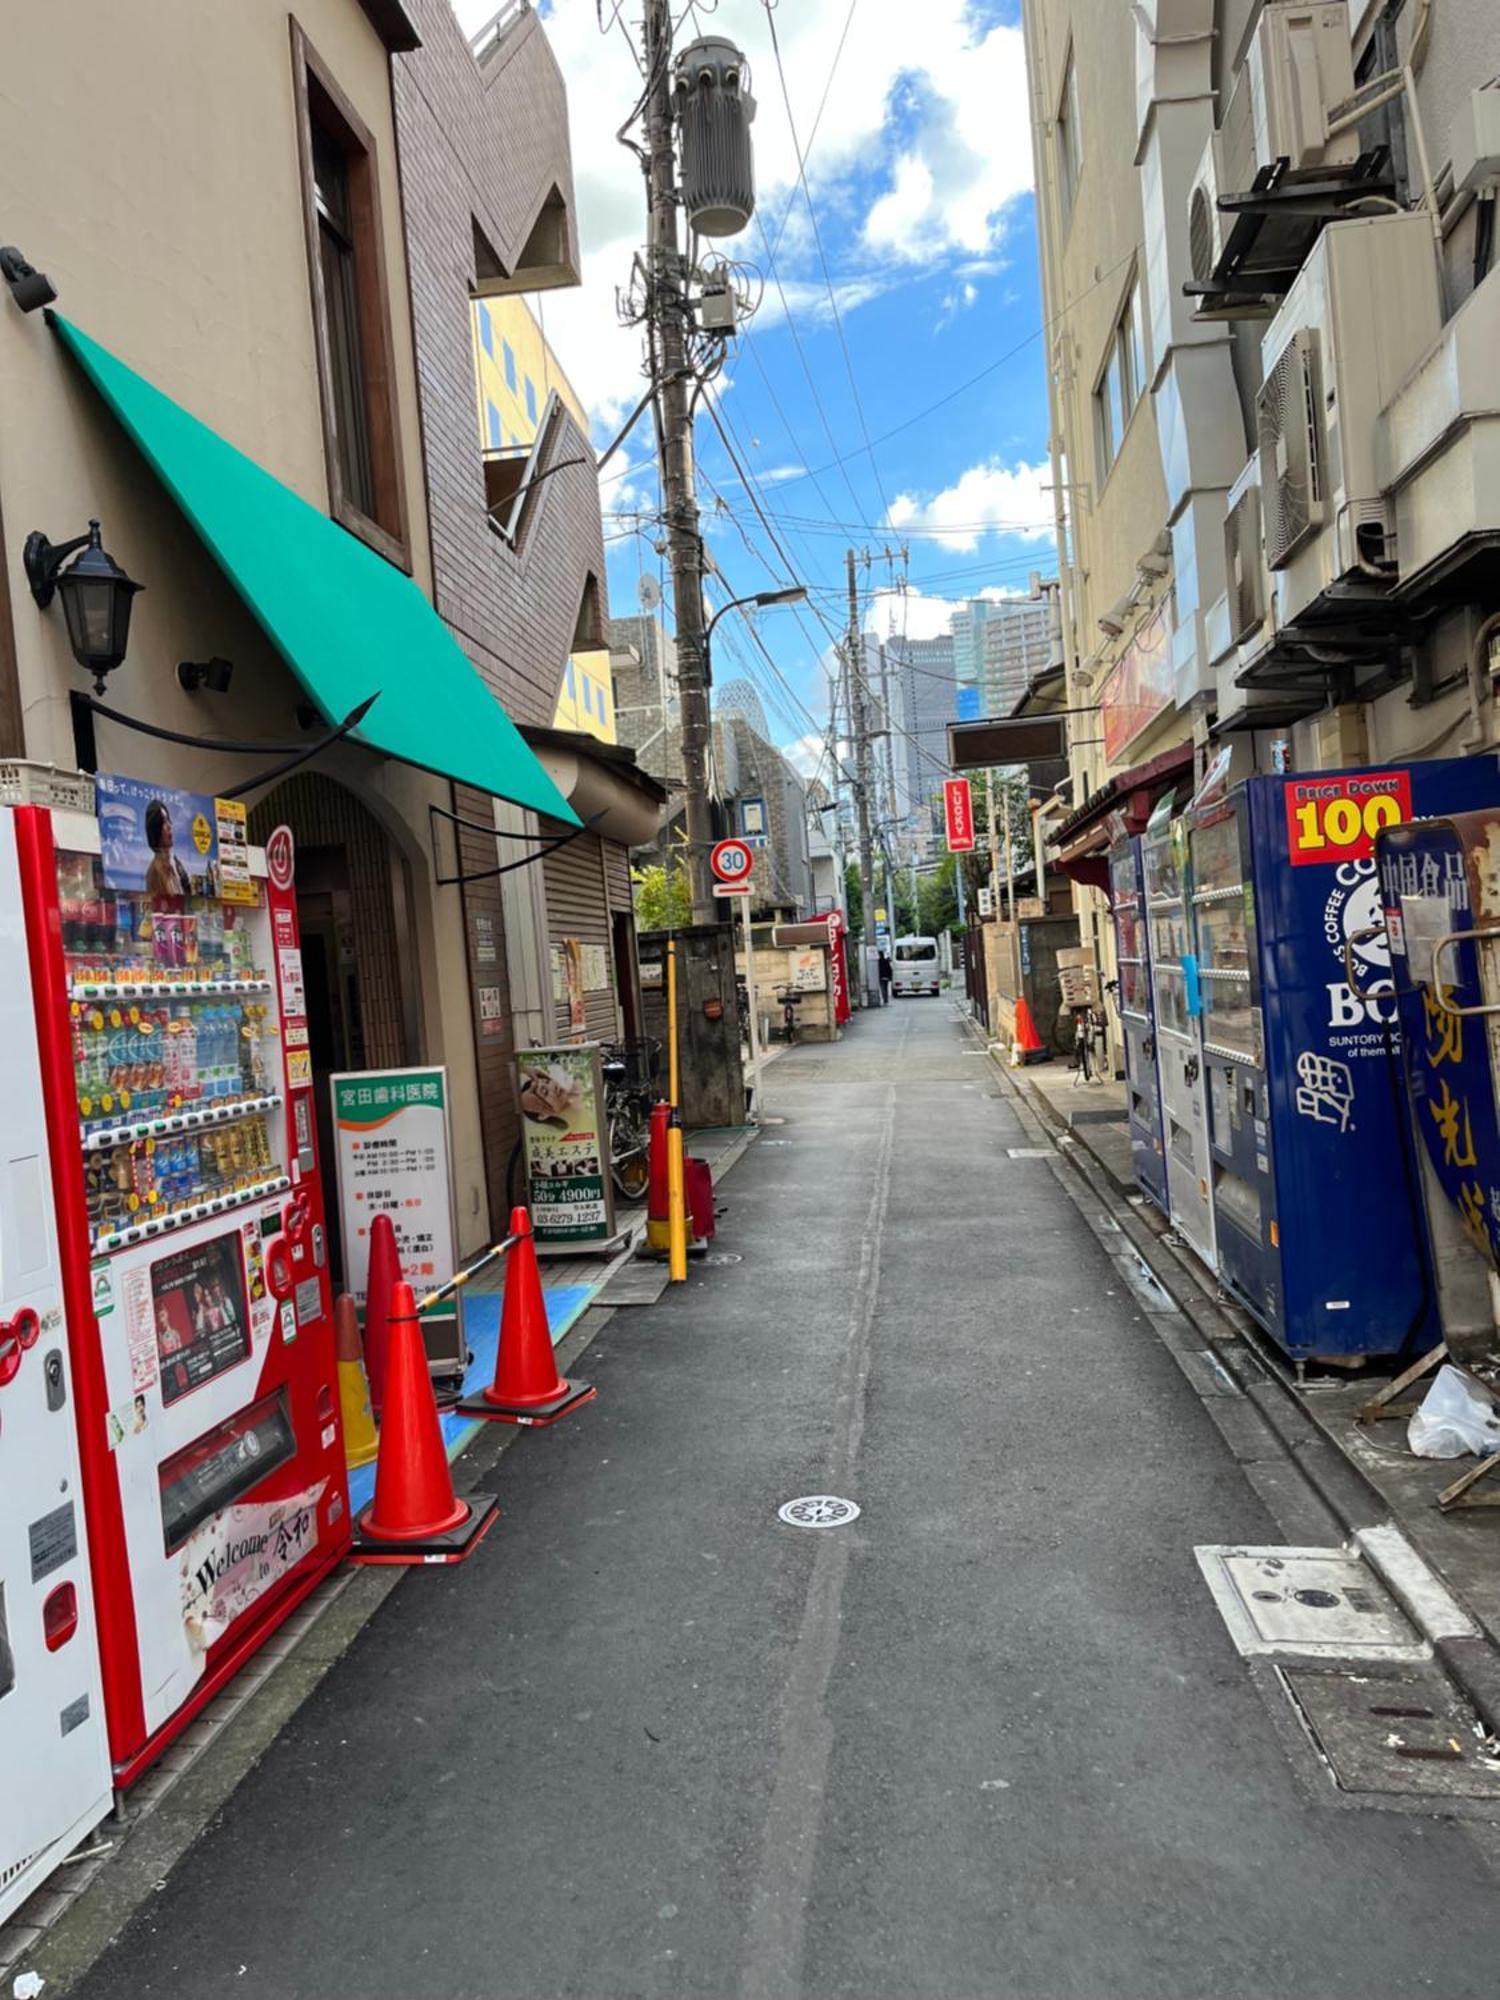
[[793, 593]]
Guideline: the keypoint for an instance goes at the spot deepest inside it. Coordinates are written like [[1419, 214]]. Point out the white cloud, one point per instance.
[[991, 498], [804, 755], [922, 140]]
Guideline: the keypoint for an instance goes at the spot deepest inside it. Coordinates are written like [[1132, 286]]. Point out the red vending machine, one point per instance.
[[171, 1019]]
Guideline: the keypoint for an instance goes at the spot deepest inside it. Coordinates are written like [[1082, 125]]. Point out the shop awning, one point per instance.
[[1133, 793], [346, 622]]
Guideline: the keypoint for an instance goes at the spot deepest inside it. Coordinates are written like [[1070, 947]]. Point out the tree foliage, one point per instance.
[[663, 897]]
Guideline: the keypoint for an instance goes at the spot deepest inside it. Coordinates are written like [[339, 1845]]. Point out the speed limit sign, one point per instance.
[[732, 860]]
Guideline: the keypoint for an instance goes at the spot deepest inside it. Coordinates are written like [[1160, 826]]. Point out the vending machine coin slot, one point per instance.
[[60, 1617]]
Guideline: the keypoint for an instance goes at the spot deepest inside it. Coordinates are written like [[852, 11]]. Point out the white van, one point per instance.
[[914, 966]]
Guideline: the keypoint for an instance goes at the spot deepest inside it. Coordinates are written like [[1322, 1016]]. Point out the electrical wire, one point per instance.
[[812, 216]]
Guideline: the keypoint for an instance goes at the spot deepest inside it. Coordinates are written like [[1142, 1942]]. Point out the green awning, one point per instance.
[[346, 622]]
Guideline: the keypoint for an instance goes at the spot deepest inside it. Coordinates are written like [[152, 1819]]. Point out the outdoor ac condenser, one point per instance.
[[1298, 67], [1360, 315]]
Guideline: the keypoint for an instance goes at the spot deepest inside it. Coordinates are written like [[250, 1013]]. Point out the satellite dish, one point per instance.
[[648, 590]]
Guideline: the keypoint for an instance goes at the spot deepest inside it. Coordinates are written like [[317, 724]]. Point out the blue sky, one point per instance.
[[919, 171]]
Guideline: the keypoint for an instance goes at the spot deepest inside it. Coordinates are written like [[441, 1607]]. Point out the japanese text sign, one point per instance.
[[958, 815], [391, 1150]]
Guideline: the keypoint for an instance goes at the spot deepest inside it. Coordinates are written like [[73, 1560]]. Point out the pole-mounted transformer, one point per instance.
[[711, 86]]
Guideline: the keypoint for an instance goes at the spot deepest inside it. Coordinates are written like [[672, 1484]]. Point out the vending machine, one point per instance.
[[1440, 902], [54, 1756], [1317, 1207], [1179, 1043], [1127, 897], [174, 1056]]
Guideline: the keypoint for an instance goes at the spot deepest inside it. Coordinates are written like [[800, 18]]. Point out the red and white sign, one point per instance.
[[281, 858], [958, 811], [732, 861], [731, 888]]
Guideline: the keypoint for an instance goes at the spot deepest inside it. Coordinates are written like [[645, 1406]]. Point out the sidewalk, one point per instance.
[[168, 1809], [1360, 1471]]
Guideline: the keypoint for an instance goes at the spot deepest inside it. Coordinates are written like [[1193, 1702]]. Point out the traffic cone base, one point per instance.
[[574, 1395], [415, 1517], [527, 1387], [478, 1513]]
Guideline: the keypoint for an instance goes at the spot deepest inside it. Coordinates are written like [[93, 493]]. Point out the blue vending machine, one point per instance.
[[1317, 1208], [1127, 898]]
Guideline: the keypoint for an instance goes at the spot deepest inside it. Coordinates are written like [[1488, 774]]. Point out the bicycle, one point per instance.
[[1089, 1034], [629, 1093]]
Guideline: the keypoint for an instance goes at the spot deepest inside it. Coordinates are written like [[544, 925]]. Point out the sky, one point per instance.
[[911, 273]]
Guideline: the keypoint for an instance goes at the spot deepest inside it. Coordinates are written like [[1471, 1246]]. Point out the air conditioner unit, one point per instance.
[[1289, 419], [1327, 377], [1206, 226], [1245, 558], [1298, 67]]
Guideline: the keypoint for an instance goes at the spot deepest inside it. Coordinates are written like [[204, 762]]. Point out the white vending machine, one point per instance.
[[55, 1781]]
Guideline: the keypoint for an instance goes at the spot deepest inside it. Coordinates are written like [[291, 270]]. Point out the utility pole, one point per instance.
[[667, 313], [860, 721]]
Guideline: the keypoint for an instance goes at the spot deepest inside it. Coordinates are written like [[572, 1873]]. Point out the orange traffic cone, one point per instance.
[[384, 1274], [360, 1441], [1026, 1043], [415, 1516], [657, 1224], [527, 1388]]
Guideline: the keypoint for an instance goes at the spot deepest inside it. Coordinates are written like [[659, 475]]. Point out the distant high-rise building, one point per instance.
[[742, 698], [924, 671], [1017, 639]]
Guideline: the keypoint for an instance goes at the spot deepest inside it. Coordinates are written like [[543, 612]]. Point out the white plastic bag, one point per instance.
[[1456, 1417]]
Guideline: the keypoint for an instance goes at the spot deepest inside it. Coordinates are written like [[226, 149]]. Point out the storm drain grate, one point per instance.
[[1315, 1603], [1402, 1733], [818, 1510]]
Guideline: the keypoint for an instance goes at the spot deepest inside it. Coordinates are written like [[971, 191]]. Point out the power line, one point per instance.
[[812, 216]]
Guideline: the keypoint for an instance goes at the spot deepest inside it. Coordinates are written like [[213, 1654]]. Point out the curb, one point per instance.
[[1460, 1642]]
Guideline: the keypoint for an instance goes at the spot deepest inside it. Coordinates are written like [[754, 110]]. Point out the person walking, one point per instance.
[[885, 979]]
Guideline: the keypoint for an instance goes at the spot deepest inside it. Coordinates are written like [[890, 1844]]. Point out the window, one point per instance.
[[351, 309], [1122, 380], [1069, 140], [492, 423], [510, 365], [588, 695], [486, 332], [530, 399], [572, 689]]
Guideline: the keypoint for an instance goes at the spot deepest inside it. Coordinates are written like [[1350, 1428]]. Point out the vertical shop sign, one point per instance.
[[567, 1145], [392, 1154], [958, 813]]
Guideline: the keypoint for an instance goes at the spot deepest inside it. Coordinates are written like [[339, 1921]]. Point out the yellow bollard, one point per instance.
[[676, 1189]]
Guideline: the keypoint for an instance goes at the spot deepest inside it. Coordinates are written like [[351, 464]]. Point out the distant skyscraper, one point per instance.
[[1017, 643], [742, 698], [924, 670]]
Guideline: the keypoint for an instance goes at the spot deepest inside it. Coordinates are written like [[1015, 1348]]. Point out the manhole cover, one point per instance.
[[1320, 1603], [1397, 1734], [723, 1257], [818, 1510]]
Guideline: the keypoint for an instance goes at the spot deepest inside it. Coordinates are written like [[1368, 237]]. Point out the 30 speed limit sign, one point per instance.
[[732, 861]]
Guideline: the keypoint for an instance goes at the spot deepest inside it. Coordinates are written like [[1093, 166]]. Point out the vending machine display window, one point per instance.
[[225, 1463], [201, 1312]]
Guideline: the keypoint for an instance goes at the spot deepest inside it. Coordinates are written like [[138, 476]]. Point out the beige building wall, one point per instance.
[[151, 166], [1092, 251]]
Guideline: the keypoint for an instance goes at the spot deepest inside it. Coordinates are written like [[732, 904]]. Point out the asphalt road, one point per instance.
[[991, 1740]]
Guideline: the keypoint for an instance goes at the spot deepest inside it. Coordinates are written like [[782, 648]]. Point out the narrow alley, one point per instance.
[[990, 1739]]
